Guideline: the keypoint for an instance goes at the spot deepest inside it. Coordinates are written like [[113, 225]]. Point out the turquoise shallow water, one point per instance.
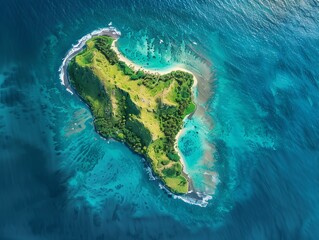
[[258, 61]]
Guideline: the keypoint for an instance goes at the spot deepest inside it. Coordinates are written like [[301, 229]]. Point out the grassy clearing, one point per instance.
[[190, 109]]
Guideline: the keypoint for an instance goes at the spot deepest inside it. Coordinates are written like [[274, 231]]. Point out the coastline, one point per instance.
[[192, 196]]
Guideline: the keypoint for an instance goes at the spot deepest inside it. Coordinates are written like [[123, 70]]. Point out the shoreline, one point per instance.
[[134, 66], [192, 196]]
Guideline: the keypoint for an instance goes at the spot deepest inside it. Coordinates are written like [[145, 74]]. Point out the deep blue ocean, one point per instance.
[[258, 68]]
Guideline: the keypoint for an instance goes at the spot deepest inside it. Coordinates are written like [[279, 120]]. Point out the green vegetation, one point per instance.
[[143, 110]]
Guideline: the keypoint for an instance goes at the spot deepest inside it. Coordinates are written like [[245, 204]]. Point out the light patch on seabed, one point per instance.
[[198, 154], [78, 122]]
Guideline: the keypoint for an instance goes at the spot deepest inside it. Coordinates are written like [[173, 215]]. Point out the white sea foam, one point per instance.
[[77, 48], [150, 174], [201, 201], [197, 198]]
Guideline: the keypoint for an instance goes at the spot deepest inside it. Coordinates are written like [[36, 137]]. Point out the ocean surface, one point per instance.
[[252, 148]]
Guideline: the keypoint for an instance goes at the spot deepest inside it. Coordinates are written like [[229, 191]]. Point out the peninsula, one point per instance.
[[142, 109]]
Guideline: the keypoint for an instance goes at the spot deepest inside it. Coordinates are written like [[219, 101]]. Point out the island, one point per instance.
[[142, 109]]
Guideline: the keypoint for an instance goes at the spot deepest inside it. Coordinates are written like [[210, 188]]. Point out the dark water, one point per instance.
[[60, 180]]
